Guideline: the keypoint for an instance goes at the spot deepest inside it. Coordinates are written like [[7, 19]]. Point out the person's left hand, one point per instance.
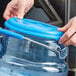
[[69, 36], [17, 8]]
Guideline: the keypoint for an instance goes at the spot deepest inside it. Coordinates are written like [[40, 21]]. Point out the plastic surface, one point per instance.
[[34, 28], [12, 70], [10, 33], [27, 58], [35, 57]]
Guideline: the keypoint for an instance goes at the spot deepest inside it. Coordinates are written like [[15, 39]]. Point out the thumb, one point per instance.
[[66, 27], [20, 13]]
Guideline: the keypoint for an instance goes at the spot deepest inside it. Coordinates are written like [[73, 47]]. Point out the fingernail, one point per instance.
[[20, 17]]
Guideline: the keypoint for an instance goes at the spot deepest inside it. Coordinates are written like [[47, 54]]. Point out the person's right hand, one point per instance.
[[69, 36], [17, 8]]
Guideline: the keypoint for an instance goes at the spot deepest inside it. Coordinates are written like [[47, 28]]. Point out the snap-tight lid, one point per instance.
[[35, 28]]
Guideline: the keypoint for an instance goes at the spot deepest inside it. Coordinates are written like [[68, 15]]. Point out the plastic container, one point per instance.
[[24, 58]]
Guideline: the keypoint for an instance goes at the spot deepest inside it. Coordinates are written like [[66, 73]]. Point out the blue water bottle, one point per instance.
[[25, 58]]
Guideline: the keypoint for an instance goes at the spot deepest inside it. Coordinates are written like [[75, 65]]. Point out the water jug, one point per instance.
[[25, 58]]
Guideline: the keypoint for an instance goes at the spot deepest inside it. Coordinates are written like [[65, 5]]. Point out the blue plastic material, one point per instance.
[[10, 33], [34, 28]]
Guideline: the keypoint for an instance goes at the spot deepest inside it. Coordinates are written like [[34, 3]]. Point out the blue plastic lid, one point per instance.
[[34, 28]]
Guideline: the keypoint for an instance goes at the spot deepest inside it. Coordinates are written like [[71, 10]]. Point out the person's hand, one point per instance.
[[17, 8], [69, 37]]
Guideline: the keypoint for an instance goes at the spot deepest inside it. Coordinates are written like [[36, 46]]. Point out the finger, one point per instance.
[[67, 35], [20, 12], [67, 43], [27, 10], [65, 28], [13, 15], [13, 11], [71, 41], [6, 14]]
